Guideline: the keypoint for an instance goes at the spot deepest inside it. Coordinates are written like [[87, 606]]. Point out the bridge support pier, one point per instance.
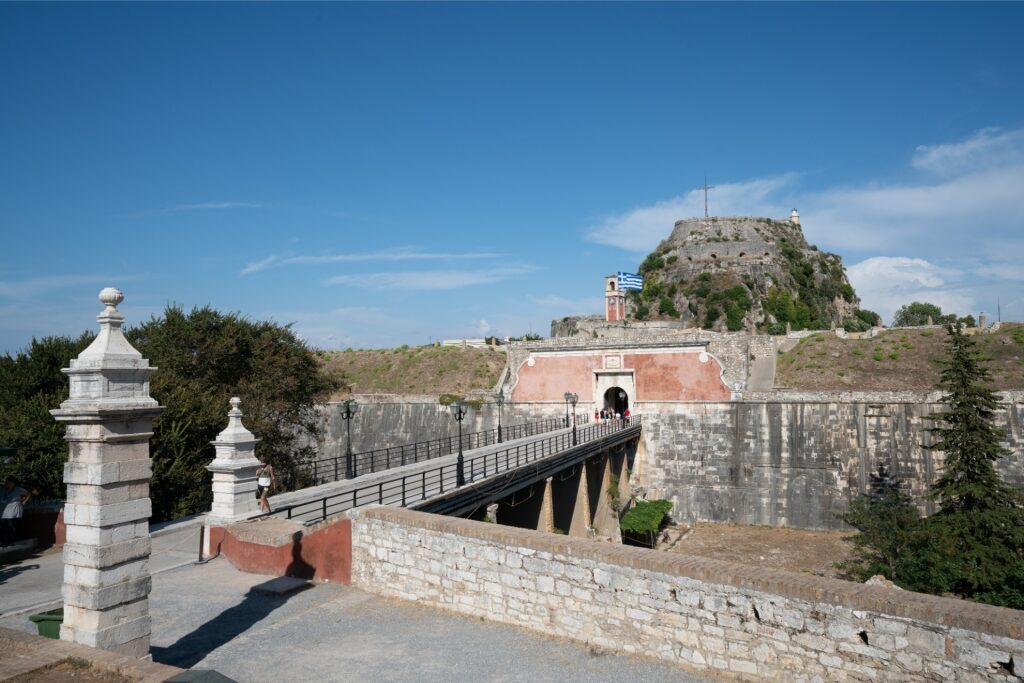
[[526, 509], [571, 502], [604, 519]]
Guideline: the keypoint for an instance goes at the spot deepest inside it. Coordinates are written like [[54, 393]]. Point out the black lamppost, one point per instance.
[[566, 396], [348, 411], [572, 399], [459, 411], [499, 398]]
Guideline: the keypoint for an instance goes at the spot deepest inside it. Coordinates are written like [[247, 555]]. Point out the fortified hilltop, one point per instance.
[[745, 273]]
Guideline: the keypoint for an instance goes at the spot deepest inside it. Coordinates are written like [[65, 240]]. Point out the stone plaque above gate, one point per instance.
[[612, 362]]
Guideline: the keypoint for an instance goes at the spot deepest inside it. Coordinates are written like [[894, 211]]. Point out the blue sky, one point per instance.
[[380, 174]]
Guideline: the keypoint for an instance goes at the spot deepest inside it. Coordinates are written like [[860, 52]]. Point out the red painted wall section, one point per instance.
[[323, 555], [677, 377], [552, 376], [659, 377]]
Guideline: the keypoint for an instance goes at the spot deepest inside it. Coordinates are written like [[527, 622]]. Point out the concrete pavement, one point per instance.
[[207, 616], [34, 584]]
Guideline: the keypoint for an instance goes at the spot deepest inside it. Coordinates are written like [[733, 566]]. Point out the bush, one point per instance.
[[667, 307], [653, 262], [645, 519], [886, 519]]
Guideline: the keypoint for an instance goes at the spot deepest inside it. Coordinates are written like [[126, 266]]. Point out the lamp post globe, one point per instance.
[[566, 397]]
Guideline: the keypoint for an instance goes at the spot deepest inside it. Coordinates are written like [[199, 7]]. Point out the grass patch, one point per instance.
[[894, 355], [878, 356], [929, 333]]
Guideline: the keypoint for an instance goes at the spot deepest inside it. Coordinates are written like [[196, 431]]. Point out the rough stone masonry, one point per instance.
[[109, 416], [707, 615]]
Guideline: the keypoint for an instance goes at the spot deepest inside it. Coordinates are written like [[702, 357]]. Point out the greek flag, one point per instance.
[[630, 281]]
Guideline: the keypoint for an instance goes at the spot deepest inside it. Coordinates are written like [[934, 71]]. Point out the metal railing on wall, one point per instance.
[[327, 470], [419, 486]]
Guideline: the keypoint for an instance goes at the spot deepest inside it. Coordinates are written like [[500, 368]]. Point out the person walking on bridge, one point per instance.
[[265, 481]]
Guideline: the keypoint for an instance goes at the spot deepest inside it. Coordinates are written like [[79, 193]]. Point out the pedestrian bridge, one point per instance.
[[566, 480]]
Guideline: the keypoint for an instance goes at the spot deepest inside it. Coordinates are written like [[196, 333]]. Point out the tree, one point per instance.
[[31, 384], [887, 521], [917, 314], [204, 358], [980, 514]]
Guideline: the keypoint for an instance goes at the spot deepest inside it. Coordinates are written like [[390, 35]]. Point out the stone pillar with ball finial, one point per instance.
[[234, 471], [109, 416]]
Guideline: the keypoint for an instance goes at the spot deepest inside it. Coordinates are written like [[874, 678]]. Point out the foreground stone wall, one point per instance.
[[707, 615], [797, 461]]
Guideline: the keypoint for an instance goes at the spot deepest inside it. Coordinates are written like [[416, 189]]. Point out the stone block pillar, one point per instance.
[[109, 416], [234, 472]]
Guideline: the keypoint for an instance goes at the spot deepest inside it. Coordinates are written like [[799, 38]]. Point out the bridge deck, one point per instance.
[[422, 481]]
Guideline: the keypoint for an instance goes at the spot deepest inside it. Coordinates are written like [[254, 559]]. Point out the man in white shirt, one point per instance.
[[12, 504]]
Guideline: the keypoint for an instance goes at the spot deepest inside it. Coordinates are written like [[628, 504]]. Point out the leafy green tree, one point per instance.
[[204, 358], [917, 314], [980, 514], [31, 384], [887, 521]]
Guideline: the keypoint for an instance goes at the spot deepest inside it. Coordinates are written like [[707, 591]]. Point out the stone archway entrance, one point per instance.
[[616, 400]]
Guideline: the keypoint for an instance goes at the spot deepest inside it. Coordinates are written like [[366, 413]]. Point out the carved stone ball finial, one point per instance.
[[111, 297]]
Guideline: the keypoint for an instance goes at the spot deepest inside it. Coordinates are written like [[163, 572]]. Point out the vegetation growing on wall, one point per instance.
[[644, 520], [793, 284]]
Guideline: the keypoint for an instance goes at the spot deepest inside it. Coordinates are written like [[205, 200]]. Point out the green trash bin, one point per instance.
[[49, 623]]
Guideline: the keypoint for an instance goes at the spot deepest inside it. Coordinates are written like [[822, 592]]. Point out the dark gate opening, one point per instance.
[[616, 400]]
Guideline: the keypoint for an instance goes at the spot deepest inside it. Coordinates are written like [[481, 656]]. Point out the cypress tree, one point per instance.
[[980, 514]]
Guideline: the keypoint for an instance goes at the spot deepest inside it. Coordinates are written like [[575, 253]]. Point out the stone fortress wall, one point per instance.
[[384, 421], [774, 457], [707, 615], [797, 460]]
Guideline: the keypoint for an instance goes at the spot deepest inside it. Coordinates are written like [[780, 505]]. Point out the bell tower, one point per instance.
[[614, 300]]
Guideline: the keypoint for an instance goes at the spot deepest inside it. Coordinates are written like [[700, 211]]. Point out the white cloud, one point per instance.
[[215, 206], [884, 283], [429, 279], [385, 255], [483, 328], [356, 326], [26, 290], [986, 148], [643, 228]]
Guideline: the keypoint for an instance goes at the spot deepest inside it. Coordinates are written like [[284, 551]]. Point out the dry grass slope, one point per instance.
[[415, 370], [904, 359]]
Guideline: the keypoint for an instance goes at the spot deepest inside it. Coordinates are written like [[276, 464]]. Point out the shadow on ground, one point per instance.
[[10, 572], [192, 648]]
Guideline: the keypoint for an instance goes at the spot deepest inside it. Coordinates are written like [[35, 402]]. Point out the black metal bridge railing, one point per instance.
[[331, 469], [419, 486]]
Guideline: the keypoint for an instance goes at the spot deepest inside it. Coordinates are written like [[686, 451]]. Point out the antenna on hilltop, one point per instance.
[[706, 187]]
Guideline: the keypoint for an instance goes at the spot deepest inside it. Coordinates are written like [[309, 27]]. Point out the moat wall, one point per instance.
[[385, 421], [739, 622], [797, 460]]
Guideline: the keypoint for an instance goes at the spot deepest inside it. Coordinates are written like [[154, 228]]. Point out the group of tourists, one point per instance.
[[607, 415]]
